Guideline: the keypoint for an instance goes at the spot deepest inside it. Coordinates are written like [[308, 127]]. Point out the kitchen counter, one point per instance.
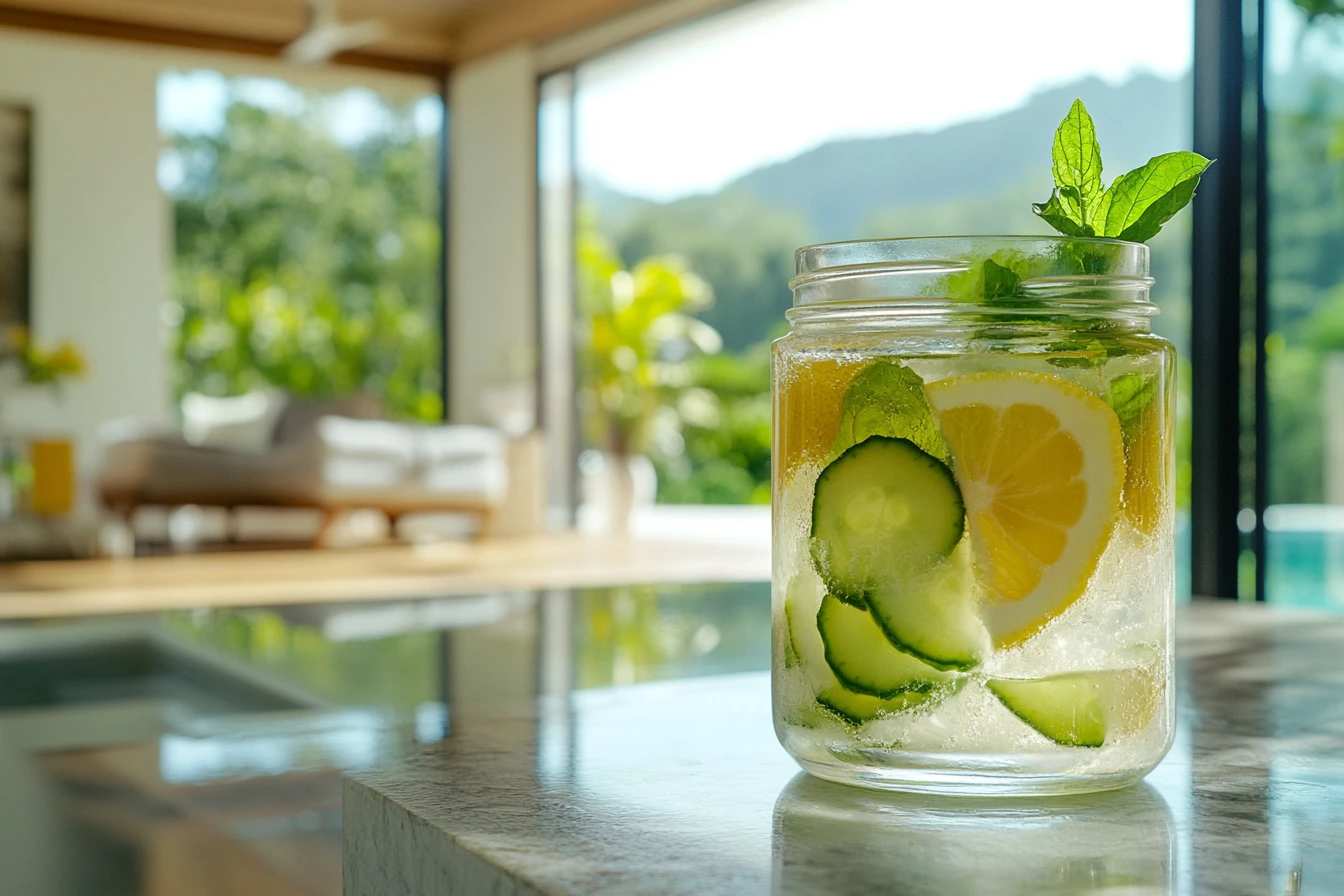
[[552, 560], [680, 787]]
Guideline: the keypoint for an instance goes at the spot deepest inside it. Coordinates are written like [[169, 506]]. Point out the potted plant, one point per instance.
[[637, 336]]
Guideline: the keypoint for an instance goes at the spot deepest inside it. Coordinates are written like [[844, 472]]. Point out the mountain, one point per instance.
[[976, 177], [837, 186]]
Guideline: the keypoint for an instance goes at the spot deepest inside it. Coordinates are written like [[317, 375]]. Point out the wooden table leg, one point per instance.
[[330, 516]]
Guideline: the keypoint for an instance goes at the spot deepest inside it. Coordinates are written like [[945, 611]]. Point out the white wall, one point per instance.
[[492, 228], [102, 229], [100, 241]]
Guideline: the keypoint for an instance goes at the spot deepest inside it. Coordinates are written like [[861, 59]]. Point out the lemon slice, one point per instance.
[[1147, 491], [1040, 463], [808, 405]]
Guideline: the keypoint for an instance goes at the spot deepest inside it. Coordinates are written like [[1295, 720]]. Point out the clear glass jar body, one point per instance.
[[973, 581]]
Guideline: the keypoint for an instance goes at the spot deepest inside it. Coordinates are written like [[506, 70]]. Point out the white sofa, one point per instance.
[[333, 455]]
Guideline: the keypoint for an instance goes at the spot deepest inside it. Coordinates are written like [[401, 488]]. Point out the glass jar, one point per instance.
[[974, 567]]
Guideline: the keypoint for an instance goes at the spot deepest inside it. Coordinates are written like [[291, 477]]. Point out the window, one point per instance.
[[1304, 348], [708, 153], [307, 243]]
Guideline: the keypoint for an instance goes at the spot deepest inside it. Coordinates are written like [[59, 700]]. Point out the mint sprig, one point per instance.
[[1077, 167], [887, 399], [1134, 207], [1129, 396]]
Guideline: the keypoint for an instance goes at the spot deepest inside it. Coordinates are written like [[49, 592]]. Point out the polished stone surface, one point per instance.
[[200, 753], [680, 787]]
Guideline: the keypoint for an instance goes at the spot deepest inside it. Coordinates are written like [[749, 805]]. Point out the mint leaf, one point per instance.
[[1082, 258], [1140, 202], [1129, 396], [1084, 352], [887, 399], [1057, 214], [1136, 205], [1001, 281], [999, 276], [1077, 166]]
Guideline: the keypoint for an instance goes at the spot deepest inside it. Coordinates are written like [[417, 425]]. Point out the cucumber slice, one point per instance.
[[802, 599], [860, 655], [802, 605], [790, 654], [931, 614], [879, 510], [860, 708], [1082, 709], [1069, 709]]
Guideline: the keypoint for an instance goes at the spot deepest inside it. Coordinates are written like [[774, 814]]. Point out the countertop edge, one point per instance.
[[388, 851]]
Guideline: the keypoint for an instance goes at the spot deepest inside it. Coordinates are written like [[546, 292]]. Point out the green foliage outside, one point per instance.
[[305, 264], [644, 633], [1306, 155], [742, 247], [726, 453], [743, 250], [397, 672], [653, 380], [637, 335]]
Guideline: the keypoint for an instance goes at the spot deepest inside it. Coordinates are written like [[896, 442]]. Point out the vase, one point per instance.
[[613, 487]]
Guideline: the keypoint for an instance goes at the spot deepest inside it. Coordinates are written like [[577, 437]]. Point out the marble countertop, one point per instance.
[[680, 788]]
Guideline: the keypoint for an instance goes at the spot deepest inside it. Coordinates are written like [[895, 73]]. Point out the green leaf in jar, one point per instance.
[[1129, 396], [1000, 281], [887, 399], [1085, 351], [999, 276]]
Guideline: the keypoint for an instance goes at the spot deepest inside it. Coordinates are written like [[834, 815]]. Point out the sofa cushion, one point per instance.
[[168, 470], [477, 481], [345, 437], [340, 462], [301, 414], [447, 443], [237, 423]]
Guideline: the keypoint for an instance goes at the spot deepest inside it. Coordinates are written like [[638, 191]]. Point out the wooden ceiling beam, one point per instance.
[[496, 26], [424, 39], [137, 32]]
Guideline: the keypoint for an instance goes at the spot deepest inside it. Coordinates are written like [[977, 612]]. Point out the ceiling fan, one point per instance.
[[327, 35]]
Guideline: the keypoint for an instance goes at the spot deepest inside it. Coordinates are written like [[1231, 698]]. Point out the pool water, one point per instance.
[[1306, 569], [1304, 550]]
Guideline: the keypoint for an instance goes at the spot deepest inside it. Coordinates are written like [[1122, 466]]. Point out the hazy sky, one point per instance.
[[194, 101], [691, 109]]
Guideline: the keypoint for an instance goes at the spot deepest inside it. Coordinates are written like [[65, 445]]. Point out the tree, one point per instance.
[[741, 247], [637, 334], [306, 264]]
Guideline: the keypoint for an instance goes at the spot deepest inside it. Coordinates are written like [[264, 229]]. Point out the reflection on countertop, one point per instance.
[[834, 839], [202, 751], [680, 787]]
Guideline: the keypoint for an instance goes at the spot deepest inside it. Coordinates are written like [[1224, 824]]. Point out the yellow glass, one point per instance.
[[53, 463]]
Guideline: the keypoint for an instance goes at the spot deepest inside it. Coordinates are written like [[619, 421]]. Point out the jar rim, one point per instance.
[[972, 269]]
